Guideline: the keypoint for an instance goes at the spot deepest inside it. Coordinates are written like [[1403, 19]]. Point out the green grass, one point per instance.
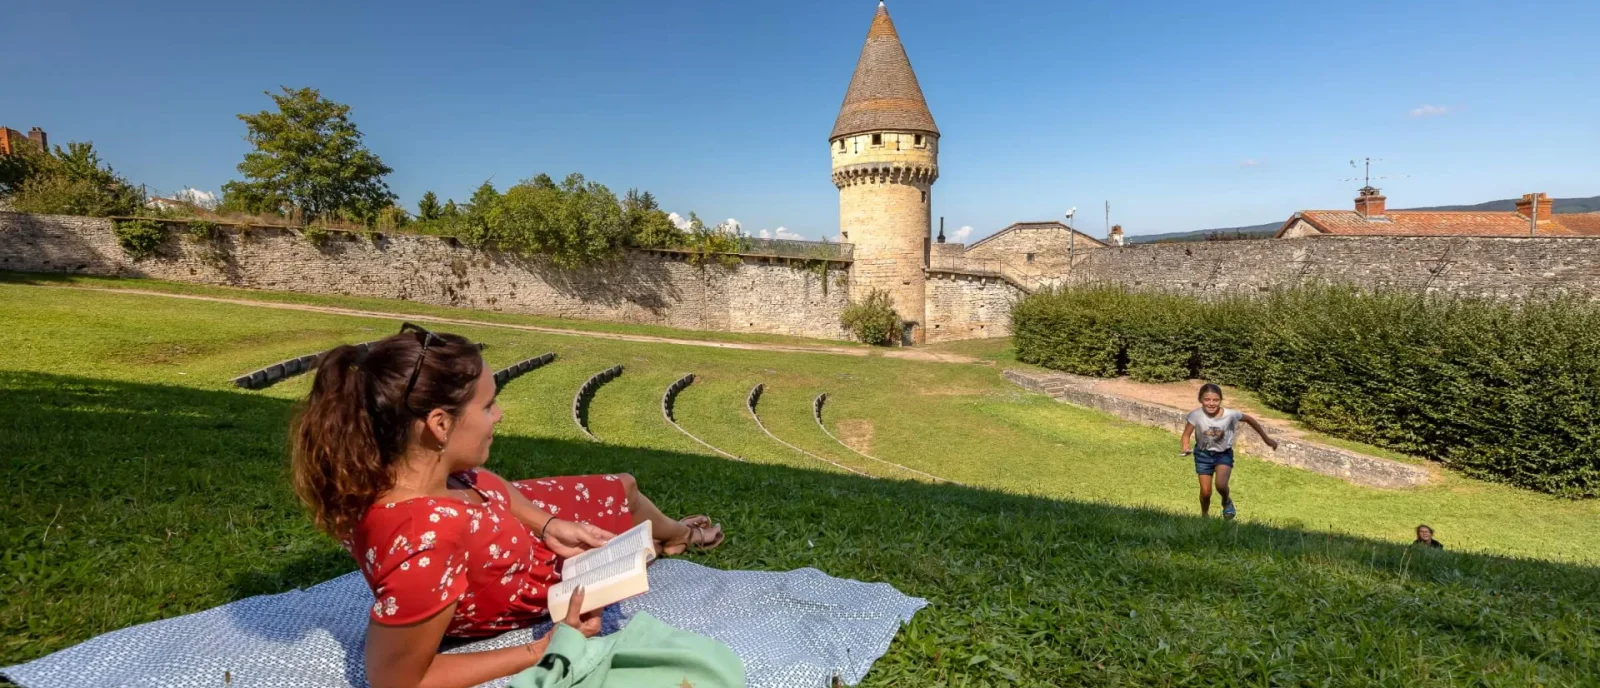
[[408, 307], [143, 486]]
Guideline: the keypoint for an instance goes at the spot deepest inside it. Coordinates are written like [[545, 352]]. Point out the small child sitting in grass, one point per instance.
[[1213, 429]]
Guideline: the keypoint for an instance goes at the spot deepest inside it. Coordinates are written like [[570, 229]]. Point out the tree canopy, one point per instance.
[[308, 158], [70, 181]]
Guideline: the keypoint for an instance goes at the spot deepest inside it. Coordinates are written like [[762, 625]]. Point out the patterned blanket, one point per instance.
[[797, 628]]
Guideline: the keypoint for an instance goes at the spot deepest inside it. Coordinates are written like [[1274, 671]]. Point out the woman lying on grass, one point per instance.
[[388, 453], [1213, 429]]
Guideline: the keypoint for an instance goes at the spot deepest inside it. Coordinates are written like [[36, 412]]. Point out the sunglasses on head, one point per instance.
[[427, 338]]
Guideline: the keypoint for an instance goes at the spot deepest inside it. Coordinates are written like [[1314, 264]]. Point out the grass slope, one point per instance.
[[142, 487]]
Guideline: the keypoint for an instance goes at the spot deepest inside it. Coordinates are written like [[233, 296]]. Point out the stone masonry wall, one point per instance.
[[1052, 249], [965, 306], [756, 295], [1481, 266]]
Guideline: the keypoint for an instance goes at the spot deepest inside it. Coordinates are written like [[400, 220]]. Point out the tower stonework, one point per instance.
[[885, 152]]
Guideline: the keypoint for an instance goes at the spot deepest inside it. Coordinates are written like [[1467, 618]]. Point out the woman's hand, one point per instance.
[[587, 624], [1272, 443], [568, 539]]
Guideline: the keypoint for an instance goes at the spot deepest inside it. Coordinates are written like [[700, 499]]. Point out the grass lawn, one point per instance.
[[407, 307], [143, 486]]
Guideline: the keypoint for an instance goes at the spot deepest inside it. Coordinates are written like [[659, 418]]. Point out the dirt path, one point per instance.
[[907, 354]]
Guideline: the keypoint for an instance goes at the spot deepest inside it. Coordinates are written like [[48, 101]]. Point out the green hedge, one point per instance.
[[1502, 391]]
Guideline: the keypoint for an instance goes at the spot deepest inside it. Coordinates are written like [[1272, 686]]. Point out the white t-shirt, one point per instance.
[[1214, 434]]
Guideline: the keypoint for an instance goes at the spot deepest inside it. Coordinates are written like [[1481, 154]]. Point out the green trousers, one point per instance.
[[646, 653]]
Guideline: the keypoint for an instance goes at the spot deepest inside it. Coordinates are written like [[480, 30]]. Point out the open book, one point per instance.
[[608, 574]]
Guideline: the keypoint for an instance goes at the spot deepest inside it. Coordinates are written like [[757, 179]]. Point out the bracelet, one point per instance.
[[546, 527]]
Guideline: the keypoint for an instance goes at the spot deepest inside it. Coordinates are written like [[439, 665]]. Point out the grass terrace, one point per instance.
[[143, 486]]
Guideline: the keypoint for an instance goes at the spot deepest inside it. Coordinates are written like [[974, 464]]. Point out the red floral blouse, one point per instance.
[[420, 555]]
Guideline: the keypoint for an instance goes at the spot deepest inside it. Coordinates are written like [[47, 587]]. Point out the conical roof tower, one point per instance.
[[885, 154], [883, 94]]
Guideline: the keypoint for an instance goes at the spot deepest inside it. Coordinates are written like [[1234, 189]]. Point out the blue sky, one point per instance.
[[1184, 115]]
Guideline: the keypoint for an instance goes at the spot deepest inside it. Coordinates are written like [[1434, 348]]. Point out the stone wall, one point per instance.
[[755, 295], [1044, 248], [1359, 469], [968, 306], [1461, 265]]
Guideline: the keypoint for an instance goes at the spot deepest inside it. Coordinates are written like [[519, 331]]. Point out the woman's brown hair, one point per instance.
[[354, 426]]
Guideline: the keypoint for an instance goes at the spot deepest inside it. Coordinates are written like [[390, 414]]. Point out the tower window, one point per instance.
[[924, 197], [917, 140], [877, 139], [841, 145]]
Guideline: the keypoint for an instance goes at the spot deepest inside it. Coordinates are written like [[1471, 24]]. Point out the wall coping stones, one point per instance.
[[1352, 467]]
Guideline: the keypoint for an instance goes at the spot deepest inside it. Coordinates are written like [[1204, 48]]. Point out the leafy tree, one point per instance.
[[721, 241], [575, 224], [648, 225], [308, 156], [475, 230], [543, 181], [428, 208], [450, 211], [70, 181]]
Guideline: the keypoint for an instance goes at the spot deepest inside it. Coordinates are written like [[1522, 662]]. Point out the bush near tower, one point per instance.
[[873, 320], [1507, 392]]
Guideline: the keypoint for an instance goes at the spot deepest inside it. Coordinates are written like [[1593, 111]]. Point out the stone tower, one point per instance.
[[885, 150]]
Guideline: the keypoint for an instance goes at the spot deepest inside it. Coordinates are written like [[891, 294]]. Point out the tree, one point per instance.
[[450, 210], [574, 224], [309, 156], [475, 229], [71, 181], [428, 208], [648, 225]]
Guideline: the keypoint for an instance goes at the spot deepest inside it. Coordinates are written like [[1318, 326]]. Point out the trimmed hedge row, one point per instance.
[[1500, 391]]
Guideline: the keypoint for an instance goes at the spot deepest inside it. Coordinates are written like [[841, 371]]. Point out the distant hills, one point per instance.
[[1562, 205]]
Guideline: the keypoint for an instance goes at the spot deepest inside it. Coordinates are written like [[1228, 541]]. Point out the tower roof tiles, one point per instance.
[[883, 94]]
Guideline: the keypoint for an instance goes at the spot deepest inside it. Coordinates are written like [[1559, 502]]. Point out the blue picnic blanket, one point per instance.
[[795, 628]]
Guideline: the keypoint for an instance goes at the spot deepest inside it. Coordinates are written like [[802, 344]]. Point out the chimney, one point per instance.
[[1370, 203], [40, 139], [1525, 206]]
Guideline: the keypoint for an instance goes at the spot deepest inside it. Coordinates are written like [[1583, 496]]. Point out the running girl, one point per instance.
[[1213, 429]]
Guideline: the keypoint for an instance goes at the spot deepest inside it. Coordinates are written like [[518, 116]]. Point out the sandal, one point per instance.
[[697, 539]]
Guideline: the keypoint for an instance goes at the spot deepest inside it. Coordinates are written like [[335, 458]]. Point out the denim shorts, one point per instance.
[[1205, 463]]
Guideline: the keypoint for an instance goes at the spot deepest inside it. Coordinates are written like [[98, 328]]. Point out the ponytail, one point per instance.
[[337, 466], [354, 426]]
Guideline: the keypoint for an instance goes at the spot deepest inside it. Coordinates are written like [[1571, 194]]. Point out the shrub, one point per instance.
[[1501, 391], [140, 239], [201, 231], [873, 319], [318, 236]]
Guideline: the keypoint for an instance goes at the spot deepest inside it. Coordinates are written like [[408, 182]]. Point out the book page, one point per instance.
[[602, 585], [624, 545]]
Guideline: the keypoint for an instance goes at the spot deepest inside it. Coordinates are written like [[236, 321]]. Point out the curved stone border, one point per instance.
[[1354, 468], [283, 370], [580, 401], [670, 397], [516, 370], [750, 402], [816, 412]]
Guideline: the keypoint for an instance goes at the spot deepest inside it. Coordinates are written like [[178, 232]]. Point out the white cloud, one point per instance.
[[1430, 111], [204, 199], [679, 221], [961, 235], [1250, 162], [732, 226]]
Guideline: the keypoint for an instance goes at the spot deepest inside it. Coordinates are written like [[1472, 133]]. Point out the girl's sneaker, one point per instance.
[[1228, 511]]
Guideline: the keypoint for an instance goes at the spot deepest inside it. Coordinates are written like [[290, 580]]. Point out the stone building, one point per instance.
[[10, 139], [1371, 217], [885, 153]]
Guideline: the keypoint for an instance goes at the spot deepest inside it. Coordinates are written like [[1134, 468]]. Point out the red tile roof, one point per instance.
[[1428, 223], [1587, 224]]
